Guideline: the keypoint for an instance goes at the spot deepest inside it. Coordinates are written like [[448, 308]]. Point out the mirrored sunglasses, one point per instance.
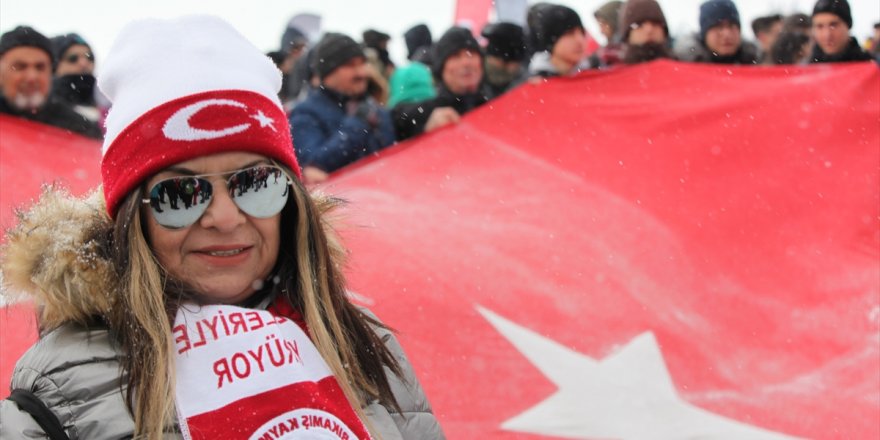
[[178, 202]]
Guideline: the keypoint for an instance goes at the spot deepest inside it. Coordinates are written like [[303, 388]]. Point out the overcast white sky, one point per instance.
[[263, 21]]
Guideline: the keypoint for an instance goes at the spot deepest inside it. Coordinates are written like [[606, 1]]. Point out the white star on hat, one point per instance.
[[264, 120]]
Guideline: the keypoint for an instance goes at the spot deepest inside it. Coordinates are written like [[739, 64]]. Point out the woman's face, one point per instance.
[[226, 254]]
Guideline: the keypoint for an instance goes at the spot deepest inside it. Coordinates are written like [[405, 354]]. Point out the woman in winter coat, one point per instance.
[[201, 294]]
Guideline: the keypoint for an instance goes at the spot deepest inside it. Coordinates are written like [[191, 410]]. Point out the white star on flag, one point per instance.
[[626, 395], [264, 120]]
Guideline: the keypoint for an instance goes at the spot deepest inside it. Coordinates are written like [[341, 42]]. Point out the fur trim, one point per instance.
[[55, 256]]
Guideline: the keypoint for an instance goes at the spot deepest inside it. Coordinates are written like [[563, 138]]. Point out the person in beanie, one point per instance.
[[608, 18], [74, 82], [26, 61], [643, 31], [505, 56], [198, 293], [831, 22], [560, 41], [338, 123], [720, 39], [457, 66]]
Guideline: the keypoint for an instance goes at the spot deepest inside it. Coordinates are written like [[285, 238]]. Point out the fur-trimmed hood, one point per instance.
[[56, 256]]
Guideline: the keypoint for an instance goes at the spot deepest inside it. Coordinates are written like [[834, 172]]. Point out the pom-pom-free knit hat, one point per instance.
[[505, 40], [839, 8], [185, 88], [453, 40], [552, 22], [713, 12], [333, 51], [25, 36]]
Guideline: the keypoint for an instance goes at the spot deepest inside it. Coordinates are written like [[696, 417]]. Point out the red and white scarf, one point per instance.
[[255, 374]]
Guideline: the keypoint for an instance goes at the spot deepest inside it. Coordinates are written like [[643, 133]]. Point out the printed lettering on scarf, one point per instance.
[[252, 374]]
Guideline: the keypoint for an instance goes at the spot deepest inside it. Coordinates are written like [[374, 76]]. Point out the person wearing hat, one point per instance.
[[26, 61], [457, 66], [198, 294], [643, 32], [505, 56], [74, 82], [339, 122], [831, 24], [608, 18], [560, 40], [720, 38]]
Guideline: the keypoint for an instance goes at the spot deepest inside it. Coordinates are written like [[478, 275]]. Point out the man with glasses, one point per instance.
[[26, 61]]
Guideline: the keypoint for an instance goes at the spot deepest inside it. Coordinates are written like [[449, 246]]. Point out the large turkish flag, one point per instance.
[[660, 251], [32, 155]]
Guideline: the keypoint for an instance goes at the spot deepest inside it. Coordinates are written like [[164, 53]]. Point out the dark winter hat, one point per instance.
[[610, 13], [61, 43], [506, 41], [25, 36], [375, 39], [552, 22], [713, 12], [417, 37], [333, 51], [636, 12], [839, 8], [454, 40]]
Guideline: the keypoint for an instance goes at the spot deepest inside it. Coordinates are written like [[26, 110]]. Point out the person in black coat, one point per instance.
[[458, 70], [831, 23], [26, 61]]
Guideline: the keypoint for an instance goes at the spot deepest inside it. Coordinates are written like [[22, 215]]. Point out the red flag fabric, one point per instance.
[[661, 251], [473, 14], [31, 155]]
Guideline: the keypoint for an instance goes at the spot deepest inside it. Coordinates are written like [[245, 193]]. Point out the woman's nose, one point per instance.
[[222, 214]]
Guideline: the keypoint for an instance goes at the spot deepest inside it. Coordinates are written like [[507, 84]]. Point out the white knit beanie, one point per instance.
[[185, 88]]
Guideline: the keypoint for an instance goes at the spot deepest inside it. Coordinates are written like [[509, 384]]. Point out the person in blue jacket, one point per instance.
[[338, 123]]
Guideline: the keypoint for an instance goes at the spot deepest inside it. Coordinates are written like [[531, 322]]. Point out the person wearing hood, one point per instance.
[[505, 56], [74, 81], [608, 18], [339, 122], [418, 44], [26, 62], [199, 293], [457, 66], [643, 31], [831, 24], [720, 38], [560, 41]]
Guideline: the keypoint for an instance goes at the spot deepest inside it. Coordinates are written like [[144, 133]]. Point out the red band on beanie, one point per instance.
[[196, 125]]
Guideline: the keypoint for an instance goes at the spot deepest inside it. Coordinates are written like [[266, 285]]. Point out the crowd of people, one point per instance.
[[347, 99]]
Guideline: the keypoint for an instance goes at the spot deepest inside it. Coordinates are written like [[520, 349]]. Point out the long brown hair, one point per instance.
[[310, 263]]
